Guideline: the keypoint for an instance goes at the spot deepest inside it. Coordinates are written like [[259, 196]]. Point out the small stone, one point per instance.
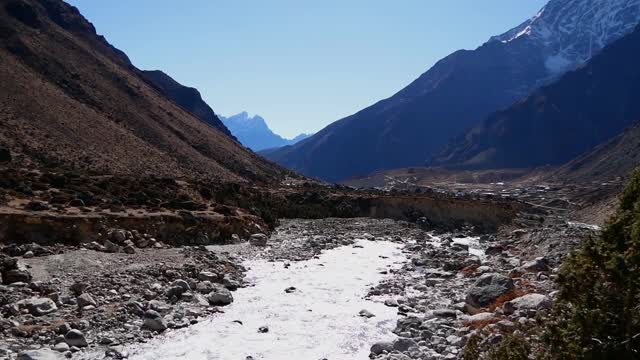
[[263, 329], [366, 313], [391, 302], [61, 347], [85, 300], [258, 240], [290, 289]]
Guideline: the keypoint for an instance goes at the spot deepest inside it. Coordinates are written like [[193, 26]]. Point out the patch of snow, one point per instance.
[[584, 226], [319, 320]]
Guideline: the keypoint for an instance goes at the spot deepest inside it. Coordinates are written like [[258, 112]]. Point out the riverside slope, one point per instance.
[[414, 124]]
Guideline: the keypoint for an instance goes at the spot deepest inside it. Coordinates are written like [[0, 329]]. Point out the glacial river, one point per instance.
[[318, 320]]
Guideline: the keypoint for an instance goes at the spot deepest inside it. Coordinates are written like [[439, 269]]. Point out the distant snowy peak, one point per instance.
[[572, 31], [253, 132]]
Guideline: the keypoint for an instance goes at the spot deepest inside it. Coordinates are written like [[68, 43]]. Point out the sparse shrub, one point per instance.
[[472, 350], [597, 315], [513, 347]]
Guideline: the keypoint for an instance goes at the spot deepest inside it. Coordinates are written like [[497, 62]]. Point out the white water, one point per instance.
[[319, 320]]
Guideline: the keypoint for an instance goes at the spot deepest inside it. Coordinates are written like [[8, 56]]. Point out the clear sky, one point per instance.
[[301, 64]]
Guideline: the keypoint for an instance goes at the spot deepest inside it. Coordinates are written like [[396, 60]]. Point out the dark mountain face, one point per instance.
[[68, 98], [416, 123], [616, 158], [254, 133], [187, 97], [558, 122]]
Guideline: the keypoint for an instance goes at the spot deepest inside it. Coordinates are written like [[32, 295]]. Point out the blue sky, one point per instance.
[[300, 64]]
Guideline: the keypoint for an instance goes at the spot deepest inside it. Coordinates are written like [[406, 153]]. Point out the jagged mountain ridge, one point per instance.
[[68, 98], [254, 133], [187, 97], [558, 122], [416, 123], [572, 31]]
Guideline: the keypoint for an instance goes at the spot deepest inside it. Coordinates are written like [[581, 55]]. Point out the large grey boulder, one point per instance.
[[487, 289], [38, 306], [43, 354]]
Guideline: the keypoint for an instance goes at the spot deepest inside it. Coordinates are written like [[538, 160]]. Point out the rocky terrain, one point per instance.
[[454, 287]]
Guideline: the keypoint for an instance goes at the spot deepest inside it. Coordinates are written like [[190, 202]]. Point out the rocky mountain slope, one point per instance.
[[558, 122], [68, 98], [187, 97], [254, 133], [460, 90], [613, 159]]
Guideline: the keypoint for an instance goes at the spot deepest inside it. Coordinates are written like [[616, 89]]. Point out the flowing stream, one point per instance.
[[318, 320]]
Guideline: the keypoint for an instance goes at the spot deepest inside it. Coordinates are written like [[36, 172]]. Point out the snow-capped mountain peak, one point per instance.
[[572, 31]]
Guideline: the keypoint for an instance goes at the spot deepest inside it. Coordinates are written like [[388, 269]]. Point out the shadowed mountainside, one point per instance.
[[187, 97], [68, 98], [555, 124]]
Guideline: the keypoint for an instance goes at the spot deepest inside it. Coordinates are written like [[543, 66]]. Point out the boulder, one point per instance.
[[154, 321], [220, 296], [403, 344], [537, 265], [208, 276], [380, 347], [205, 287], [85, 300], [258, 240], [487, 289], [42, 354], [75, 338], [118, 236], [15, 276], [479, 318], [111, 247], [37, 306], [530, 302]]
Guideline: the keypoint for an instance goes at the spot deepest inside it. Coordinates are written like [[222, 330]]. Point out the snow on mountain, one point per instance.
[[254, 133], [570, 32]]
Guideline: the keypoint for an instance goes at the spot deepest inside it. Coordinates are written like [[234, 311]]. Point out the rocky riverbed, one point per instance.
[[428, 293]]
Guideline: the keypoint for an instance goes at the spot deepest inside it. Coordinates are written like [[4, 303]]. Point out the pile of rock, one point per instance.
[[456, 295], [118, 240]]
